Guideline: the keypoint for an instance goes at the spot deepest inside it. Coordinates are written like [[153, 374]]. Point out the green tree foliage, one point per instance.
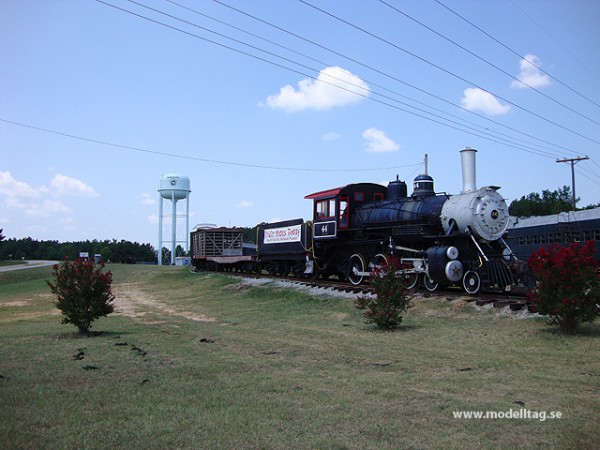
[[249, 234], [83, 292], [568, 289], [550, 202], [110, 250], [391, 299]]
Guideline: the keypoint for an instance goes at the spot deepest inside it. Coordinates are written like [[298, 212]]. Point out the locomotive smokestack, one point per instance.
[[467, 159]]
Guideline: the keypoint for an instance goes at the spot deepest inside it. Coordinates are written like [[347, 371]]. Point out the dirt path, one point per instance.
[[130, 301]]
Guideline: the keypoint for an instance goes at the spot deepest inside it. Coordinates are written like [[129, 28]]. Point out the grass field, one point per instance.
[[203, 361]]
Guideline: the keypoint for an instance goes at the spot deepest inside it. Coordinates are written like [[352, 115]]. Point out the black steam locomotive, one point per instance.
[[440, 239]]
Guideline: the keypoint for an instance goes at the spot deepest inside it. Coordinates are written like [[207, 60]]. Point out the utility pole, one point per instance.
[[573, 161]]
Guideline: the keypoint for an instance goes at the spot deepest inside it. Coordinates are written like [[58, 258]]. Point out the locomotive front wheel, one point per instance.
[[356, 266], [472, 282], [429, 284]]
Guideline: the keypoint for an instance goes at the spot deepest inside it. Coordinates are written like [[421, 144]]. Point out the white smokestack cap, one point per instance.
[[467, 160]]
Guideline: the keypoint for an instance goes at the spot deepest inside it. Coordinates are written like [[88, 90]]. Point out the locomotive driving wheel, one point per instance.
[[429, 284], [410, 277], [356, 267], [379, 261]]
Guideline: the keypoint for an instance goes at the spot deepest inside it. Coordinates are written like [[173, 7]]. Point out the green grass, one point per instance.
[[202, 361], [11, 263]]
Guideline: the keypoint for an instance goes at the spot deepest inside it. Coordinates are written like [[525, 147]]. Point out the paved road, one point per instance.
[[27, 265]]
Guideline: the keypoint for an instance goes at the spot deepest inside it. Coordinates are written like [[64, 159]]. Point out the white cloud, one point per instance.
[[530, 75], [331, 136], [378, 141], [41, 202], [476, 99], [153, 219], [47, 208], [244, 204], [64, 185], [333, 87], [12, 188], [147, 199]]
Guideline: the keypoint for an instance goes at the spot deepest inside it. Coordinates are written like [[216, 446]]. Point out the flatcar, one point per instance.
[[528, 234]]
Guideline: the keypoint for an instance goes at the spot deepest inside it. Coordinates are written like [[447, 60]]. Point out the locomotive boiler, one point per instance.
[[440, 239]]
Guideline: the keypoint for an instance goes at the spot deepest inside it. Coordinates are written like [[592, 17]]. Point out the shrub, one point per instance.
[[568, 288], [83, 292], [391, 300]]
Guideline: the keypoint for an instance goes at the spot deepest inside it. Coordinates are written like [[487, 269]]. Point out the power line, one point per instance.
[[515, 52], [485, 134], [436, 118], [488, 62], [195, 158], [423, 91], [449, 72]]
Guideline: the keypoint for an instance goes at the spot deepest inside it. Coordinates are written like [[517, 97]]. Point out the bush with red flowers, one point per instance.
[[83, 292], [568, 284], [391, 300]]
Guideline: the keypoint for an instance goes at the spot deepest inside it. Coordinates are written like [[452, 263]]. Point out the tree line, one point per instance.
[[549, 202], [109, 250]]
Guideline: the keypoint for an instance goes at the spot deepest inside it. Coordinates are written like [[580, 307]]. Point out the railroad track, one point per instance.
[[514, 301]]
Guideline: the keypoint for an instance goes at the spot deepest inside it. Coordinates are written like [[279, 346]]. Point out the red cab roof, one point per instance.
[[325, 194]]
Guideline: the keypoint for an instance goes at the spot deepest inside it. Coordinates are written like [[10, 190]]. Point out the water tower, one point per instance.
[[173, 188]]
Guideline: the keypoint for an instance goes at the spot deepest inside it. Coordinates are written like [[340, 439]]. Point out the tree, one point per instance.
[[391, 300], [105, 253], [568, 289], [549, 202], [83, 292]]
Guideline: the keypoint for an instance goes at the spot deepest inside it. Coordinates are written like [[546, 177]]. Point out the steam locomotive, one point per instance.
[[439, 239]]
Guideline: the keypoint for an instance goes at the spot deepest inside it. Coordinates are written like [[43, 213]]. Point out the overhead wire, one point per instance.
[[512, 140], [270, 62], [436, 118], [491, 64], [393, 78], [443, 69], [196, 158], [504, 138], [502, 44]]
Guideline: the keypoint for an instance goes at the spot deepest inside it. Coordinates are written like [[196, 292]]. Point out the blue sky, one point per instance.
[[262, 102]]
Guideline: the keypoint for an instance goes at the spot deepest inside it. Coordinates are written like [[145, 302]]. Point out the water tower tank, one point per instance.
[[174, 186]]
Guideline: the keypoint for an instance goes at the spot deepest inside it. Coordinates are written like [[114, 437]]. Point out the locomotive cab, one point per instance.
[[332, 208]]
